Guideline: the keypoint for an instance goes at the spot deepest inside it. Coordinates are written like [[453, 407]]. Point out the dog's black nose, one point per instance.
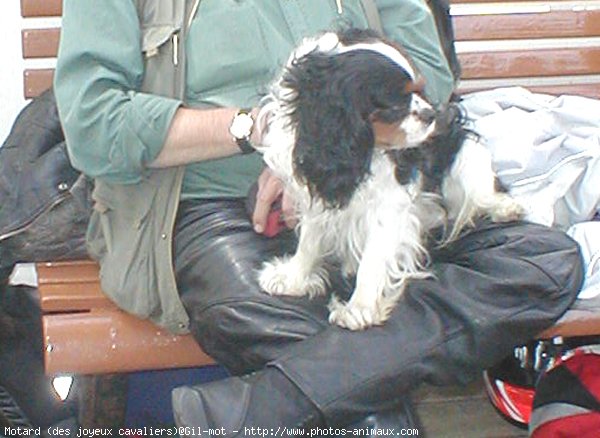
[[427, 115]]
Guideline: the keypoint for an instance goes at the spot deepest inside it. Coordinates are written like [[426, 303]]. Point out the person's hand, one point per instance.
[[270, 192]]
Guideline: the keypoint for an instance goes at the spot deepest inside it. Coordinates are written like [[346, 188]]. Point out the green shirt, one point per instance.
[[234, 50]]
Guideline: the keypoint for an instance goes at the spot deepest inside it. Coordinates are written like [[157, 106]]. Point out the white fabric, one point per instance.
[[587, 234], [546, 151], [23, 274]]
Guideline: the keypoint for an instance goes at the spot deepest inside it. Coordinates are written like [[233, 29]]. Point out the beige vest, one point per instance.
[[130, 232]]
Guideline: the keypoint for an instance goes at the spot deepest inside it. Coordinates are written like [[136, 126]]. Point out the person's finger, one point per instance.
[[269, 190]]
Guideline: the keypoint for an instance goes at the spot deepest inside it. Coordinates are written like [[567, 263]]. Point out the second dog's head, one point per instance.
[[345, 94]]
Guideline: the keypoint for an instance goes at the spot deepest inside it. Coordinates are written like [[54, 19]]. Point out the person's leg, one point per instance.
[[216, 257], [494, 288], [497, 287]]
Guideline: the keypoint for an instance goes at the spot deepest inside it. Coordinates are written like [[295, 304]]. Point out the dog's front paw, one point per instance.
[[353, 316], [506, 209], [282, 277]]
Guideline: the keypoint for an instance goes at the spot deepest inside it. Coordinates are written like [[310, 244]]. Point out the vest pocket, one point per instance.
[[119, 236]]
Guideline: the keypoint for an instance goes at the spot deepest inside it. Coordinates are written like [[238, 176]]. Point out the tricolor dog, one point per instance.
[[365, 202]]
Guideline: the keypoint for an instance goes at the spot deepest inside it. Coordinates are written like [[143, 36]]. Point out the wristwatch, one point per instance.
[[241, 130]]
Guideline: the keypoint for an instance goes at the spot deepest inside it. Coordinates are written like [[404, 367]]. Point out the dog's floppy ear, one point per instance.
[[334, 138], [331, 99]]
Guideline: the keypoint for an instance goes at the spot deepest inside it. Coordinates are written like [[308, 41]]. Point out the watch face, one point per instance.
[[241, 126]]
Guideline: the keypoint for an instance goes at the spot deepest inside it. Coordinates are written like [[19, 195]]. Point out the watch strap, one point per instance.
[[245, 145]]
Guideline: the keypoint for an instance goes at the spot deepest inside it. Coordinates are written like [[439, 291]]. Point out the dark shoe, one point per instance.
[[265, 401]]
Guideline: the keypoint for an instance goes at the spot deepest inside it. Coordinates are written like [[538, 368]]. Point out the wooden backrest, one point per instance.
[[39, 43], [549, 46]]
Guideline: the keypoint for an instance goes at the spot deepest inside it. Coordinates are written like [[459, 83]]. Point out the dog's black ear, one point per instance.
[[334, 137], [332, 99], [441, 149]]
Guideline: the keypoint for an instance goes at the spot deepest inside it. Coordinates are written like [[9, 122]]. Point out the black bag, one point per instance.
[[45, 203]]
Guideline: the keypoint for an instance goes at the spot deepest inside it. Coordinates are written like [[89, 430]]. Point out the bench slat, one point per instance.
[[527, 63], [36, 81], [40, 43], [112, 341], [575, 323], [41, 8], [73, 297], [555, 24], [64, 272]]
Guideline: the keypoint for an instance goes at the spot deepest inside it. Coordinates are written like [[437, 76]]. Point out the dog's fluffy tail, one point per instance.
[[470, 191]]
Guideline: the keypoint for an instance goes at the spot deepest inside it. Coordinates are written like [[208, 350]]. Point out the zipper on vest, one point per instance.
[[340, 7], [193, 13], [175, 40], [175, 37]]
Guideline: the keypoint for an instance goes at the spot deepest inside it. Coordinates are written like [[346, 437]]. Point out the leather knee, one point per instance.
[[244, 334]]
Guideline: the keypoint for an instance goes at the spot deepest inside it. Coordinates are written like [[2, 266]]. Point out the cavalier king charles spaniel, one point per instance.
[[367, 203]]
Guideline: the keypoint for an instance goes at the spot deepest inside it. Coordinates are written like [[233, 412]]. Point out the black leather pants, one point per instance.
[[494, 288]]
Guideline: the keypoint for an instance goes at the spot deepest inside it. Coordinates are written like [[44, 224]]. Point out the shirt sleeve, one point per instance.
[[411, 23], [112, 130]]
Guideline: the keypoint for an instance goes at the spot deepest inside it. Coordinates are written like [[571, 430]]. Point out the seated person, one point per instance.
[[176, 245]]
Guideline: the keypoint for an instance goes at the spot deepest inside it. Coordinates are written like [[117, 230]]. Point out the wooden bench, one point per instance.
[[111, 340], [546, 46]]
